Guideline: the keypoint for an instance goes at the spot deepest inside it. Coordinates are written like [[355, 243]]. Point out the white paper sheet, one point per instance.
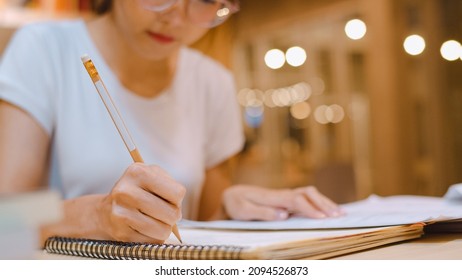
[[374, 211]]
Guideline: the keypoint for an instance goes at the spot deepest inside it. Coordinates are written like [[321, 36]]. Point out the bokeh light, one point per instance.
[[300, 110], [451, 50], [414, 44], [275, 58], [355, 29], [296, 56]]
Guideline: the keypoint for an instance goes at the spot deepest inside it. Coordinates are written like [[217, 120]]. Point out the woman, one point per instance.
[[178, 104]]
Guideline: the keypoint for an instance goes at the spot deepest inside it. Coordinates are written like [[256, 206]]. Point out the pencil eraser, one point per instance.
[[85, 58]]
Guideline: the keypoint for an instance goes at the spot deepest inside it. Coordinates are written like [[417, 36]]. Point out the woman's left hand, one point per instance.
[[247, 202]]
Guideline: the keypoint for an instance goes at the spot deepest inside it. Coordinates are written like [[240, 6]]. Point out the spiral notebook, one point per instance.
[[202, 244]]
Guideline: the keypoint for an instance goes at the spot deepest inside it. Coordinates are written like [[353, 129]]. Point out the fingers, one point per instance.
[[150, 205], [155, 180], [249, 211], [305, 201], [143, 205], [134, 226], [246, 202], [311, 203]]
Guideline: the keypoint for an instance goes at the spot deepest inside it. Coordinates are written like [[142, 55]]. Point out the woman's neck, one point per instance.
[[143, 77]]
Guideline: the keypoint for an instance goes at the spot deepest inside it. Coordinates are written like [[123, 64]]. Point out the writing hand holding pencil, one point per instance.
[[145, 203]]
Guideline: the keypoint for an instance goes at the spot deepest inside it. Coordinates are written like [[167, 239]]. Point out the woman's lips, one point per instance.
[[164, 39]]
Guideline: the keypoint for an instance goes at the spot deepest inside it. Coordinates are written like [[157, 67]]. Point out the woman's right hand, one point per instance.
[[143, 206]]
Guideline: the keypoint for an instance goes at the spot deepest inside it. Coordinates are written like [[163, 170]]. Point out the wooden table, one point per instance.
[[429, 247]]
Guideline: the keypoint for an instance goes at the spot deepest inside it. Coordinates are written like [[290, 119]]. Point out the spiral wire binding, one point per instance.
[[117, 250]]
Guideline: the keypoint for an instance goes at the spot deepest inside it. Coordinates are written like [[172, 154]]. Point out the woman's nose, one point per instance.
[[176, 14]]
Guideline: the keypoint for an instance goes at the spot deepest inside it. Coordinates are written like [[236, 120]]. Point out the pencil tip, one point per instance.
[[177, 233]]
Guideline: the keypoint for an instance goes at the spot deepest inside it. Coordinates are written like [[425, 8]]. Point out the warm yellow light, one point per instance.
[[329, 114], [223, 12], [268, 98], [282, 97], [302, 91], [334, 113], [295, 56], [250, 97], [275, 58], [300, 110], [320, 114], [414, 44], [451, 50], [242, 96], [355, 29]]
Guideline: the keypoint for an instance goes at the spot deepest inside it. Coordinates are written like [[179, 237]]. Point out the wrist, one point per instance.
[[100, 218]]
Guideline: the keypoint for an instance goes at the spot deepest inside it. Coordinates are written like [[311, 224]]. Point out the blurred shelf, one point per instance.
[[13, 17]]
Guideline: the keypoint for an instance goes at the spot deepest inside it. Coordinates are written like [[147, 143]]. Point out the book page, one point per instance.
[[372, 212]]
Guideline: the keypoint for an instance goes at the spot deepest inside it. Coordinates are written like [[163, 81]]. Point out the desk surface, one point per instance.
[[429, 247]]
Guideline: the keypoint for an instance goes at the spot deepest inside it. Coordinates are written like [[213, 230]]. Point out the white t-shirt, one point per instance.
[[192, 126]]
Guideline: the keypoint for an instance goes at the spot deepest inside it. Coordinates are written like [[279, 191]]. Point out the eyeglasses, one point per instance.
[[206, 13]]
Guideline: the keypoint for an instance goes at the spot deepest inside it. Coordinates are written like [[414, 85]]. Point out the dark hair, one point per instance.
[[101, 6]]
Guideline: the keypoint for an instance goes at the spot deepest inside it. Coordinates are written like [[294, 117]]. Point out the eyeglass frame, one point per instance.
[[233, 8]]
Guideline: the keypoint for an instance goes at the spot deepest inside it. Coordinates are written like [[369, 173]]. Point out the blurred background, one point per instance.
[[354, 96]]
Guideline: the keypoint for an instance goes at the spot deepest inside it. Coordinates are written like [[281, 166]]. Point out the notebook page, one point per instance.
[[253, 239]]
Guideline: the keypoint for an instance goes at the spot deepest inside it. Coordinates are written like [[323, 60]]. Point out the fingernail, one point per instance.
[[320, 215], [336, 212], [281, 215]]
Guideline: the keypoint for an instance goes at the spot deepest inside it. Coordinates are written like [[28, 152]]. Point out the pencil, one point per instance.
[[116, 118]]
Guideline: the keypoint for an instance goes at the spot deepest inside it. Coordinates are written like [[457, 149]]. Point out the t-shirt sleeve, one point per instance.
[[26, 76], [224, 125]]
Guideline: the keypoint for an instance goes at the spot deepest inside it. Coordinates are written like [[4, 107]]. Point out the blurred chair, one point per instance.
[[336, 181]]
